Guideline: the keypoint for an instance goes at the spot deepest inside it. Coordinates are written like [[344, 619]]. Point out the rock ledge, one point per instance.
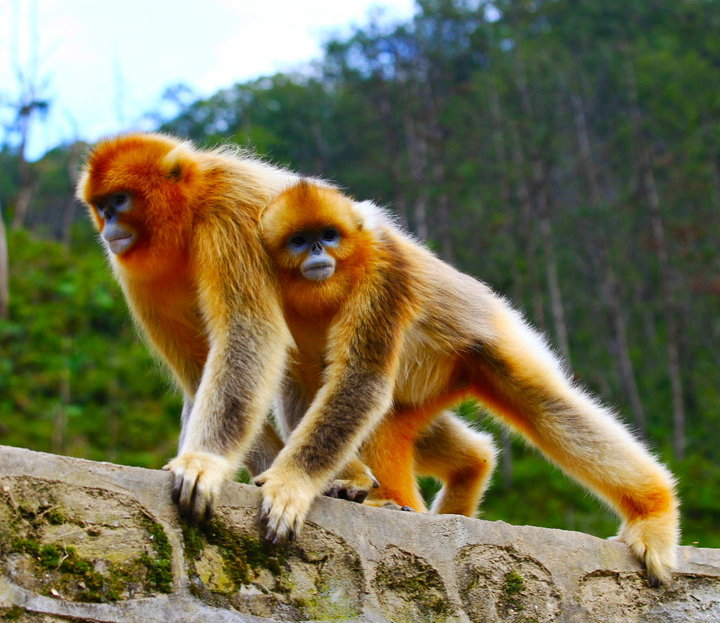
[[86, 541]]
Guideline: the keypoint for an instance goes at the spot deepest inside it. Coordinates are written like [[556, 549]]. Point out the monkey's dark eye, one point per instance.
[[298, 241], [329, 235], [119, 200]]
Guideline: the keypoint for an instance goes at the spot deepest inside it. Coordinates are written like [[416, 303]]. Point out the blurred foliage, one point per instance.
[[468, 121], [74, 377]]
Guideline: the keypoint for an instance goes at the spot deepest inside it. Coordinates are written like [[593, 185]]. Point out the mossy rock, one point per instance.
[[410, 589], [107, 548], [319, 577], [499, 584]]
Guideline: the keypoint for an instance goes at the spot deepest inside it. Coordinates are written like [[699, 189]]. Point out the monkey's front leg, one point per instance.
[[356, 480], [230, 406], [340, 418]]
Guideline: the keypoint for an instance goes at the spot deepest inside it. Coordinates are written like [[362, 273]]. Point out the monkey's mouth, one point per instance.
[[319, 272], [120, 244]]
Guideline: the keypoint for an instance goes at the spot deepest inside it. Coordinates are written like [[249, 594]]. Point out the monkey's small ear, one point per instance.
[[176, 162]]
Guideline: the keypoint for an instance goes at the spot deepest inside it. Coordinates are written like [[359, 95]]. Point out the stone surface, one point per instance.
[[84, 541]]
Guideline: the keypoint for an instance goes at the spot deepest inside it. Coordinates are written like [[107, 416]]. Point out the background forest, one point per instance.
[[568, 153]]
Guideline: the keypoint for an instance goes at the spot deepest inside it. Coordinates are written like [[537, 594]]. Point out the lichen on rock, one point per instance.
[[319, 577], [80, 544]]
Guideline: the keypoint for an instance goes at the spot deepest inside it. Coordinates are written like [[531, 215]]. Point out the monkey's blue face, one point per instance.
[[318, 264], [116, 232]]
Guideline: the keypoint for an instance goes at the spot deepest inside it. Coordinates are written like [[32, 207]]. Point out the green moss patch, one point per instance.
[[512, 591], [243, 556], [46, 543], [410, 589], [12, 614], [231, 566]]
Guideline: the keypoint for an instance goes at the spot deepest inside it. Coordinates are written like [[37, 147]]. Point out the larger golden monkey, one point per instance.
[[180, 226], [181, 229], [390, 324]]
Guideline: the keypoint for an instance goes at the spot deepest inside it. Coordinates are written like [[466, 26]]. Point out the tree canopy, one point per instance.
[[565, 152]]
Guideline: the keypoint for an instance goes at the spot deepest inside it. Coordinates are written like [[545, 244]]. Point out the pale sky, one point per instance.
[[106, 64]]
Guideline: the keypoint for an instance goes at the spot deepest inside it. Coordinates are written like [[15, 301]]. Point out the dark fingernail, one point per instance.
[[177, 489]]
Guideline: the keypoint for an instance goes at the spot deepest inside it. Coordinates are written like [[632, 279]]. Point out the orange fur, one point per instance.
[[310, 308], [417, 334], [200, 288]]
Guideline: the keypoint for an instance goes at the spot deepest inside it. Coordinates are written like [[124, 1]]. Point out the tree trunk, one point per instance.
[[22, 204], [442, 212], [4, 272], [385, 111], [436, 155], [505, 192], [663, 257], [540, 179], [556, 304], [417, 156], [59, 434], [25, 193], [526, 230], [610, 285]]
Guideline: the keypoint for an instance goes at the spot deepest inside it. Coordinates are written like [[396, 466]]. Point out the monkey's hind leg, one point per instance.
[[390, 454], [519, 378], [461, 458]]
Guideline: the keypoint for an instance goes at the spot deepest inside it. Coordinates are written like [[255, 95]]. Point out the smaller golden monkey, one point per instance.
[[405, 336]]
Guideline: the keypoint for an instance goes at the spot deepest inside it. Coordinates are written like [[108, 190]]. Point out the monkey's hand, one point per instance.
[[353, 483], [198, 478], [287, 497], [652, 540]]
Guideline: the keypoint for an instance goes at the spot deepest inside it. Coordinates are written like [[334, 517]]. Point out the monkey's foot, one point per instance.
[[390, 505], [287, 498], [654, 541], [353, 483], [198, 478]]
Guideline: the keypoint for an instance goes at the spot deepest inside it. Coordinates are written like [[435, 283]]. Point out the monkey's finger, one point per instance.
[[177, 487], [273, 534], [201, 503], [187, 494], [273, 521], [200, 509]]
